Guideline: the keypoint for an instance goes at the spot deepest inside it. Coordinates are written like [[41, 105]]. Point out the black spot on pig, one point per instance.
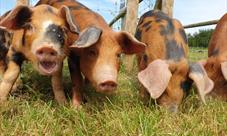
[[3, 51], [147, 24], [24, 38], [138, 34], [168, 29], [173, 50], [186, 85], [148, 28], [161, 16], [18, 58], [4, 43], [55, 34], [145, 58], [2, 36], [24, 16]]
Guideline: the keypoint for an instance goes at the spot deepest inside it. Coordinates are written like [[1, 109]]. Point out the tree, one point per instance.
[[200, 39]]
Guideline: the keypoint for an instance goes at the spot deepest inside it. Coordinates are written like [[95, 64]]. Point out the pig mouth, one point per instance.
[[48, 67]]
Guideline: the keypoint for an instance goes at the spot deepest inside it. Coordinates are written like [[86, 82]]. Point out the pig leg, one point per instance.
[[77, 81], [2, 71], [8, 80], [58, 88], [17, 84]]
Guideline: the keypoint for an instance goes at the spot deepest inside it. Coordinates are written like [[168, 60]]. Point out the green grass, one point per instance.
[[197, 54], [32, 111]]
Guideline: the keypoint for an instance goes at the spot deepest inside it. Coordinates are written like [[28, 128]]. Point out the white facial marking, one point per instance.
[[46, 24]]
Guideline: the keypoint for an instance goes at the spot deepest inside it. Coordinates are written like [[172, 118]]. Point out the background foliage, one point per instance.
[[200, 39]]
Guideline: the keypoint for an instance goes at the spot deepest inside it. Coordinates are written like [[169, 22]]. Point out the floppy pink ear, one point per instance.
[[129, 44], [203, 83], [66, 13], [224, 69], [155, 78], [87, 38]]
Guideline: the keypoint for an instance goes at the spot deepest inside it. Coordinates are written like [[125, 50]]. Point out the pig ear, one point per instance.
[[66, 13], [203, 83], [224, 69], [4, 32], [17, 18], [130, 44], [88, 37], [155, 78], [3, 29]]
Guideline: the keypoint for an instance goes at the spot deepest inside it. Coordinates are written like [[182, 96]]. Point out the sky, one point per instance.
[[187, 11]]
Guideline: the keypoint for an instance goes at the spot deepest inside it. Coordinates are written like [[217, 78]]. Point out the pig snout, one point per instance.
[[106, 79], [47, 60], [107, 86], [46, 52]]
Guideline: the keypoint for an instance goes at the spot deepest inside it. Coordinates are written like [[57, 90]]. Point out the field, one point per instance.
[[32, 111]]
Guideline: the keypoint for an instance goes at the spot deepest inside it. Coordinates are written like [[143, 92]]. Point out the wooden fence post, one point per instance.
[[122, 6], [22, 2], [158, 5], [130, 26], [167, 7]]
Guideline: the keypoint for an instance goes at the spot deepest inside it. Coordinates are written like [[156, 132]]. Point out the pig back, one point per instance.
[[218, 42], [165, 37]]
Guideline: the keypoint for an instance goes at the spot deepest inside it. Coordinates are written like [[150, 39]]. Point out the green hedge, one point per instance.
[[200, 39]]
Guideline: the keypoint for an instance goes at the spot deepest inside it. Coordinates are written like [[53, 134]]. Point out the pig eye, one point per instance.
[[92, 53], [119, 55]]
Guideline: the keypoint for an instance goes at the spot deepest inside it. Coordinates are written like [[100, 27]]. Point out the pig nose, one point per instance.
[[46, 51], [108, 86]]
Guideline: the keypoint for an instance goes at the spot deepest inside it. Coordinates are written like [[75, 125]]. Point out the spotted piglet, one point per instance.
[[39, 36], [95, 56], [164, 71]]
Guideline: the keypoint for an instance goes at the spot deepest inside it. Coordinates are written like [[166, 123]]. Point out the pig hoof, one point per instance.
[[173, 108], [61, 101], [16, 86], [76, 104]]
